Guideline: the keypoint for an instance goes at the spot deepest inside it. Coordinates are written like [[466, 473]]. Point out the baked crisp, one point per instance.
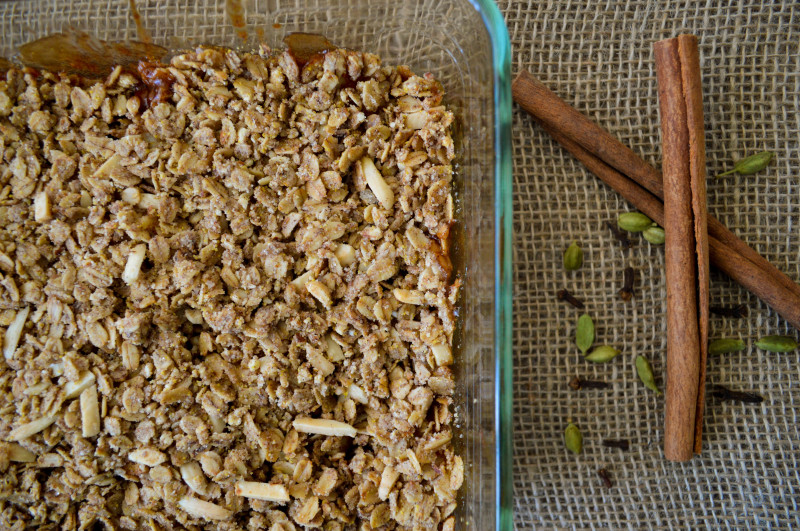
[[230, 309]]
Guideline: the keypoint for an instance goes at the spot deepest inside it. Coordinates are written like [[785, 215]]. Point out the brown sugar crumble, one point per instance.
[[230, 306]]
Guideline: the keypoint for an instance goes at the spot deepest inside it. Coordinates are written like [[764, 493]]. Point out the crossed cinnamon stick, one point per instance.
[[641, 184], [693, 236]]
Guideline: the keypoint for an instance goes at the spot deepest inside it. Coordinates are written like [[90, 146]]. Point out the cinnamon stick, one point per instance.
[[548, 109], [686, 243], [689, 55], [576, 131], [721, 256], [727, 260]]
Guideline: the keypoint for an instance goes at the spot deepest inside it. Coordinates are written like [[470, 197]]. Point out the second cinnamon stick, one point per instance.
[[689, 55], [686, 247], [739, 268], [557, 115]]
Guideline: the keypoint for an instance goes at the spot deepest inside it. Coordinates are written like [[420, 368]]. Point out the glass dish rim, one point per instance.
[[503, 212]]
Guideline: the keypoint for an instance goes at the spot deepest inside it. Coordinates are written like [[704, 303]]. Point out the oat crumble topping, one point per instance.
[[231, 309]]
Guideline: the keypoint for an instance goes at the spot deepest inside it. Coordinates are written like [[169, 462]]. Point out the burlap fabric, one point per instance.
[[598, 56]]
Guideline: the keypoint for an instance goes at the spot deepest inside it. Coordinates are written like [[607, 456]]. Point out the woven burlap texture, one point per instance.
[[598, 57]]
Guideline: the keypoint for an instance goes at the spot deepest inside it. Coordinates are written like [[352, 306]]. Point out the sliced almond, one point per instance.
[[324, 427], [50, 460], [409, 296], [14, 332], [147, 457], [148, 201], [31, 428], [320, 292], [131, 196], [320, 362], [42, 209], [357, 394], [412, 458], [283, 467], [134, 264], [443, 354], [36, 389], [193, 476], [18, 454], [417, 238], [377, 184], [106, 168], [335, 352], [6, 263], [203, 509], [307, 511], [262, 491], [416, 120], [73, 389], [388, 479], [90, 412], [171, 396], [438, 440], [409, 103], [245, 88], [301, 281], [57, 369], [346, 254]]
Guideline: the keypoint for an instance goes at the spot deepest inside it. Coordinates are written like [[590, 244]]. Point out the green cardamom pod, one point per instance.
[[750, 165], [573, 257], [573, 439], [633, 221], [602, 354], [645, 372], [723, 346], [654, 234], [777, 343], [584, 333]]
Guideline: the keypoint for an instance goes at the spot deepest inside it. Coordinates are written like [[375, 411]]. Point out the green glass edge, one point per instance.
[[501, 55]]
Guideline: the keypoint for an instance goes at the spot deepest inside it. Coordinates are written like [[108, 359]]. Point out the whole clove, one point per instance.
[[579, 383], [620, 235], [626, 293], [725, 394], [622, 444], [606, 477], [564, 295], [738, 312]]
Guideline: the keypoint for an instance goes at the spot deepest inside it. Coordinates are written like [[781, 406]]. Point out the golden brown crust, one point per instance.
[[218, 277]]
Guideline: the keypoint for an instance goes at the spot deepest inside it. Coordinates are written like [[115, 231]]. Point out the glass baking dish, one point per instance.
[[464, 43]]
